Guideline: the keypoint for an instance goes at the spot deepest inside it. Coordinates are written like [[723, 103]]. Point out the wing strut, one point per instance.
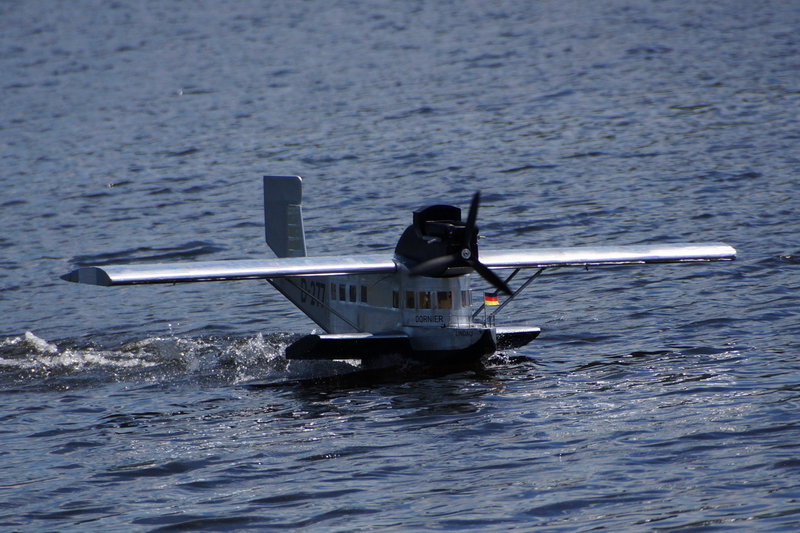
[[490, 319]]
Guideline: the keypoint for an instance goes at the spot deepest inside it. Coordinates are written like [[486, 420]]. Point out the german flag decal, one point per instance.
[[490, 299]]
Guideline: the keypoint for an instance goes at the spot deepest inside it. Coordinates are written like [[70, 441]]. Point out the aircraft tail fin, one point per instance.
[[283, 215]]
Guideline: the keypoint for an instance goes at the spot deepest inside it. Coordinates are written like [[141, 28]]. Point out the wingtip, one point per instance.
[[88, 276]]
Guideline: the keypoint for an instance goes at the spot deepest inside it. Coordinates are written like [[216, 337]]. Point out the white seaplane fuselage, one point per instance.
[[434, 313]]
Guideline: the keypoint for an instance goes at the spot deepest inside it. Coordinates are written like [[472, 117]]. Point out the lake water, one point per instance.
[[658, 398]]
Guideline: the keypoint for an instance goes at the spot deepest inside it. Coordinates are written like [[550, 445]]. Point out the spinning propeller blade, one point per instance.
[[471, 229], [436, 265], [467, 255], [487, 274]]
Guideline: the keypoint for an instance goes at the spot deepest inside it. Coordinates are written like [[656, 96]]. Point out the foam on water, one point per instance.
[[228, 360]]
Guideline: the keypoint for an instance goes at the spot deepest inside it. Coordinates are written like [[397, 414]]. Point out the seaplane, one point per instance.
[[416, 303]]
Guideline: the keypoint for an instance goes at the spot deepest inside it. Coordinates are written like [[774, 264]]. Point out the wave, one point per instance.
[[30, 361]]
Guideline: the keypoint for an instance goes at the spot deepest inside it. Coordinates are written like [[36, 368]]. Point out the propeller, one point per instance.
[[465, 257]]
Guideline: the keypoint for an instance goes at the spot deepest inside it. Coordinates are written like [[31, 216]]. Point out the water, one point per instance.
[[661, 398]]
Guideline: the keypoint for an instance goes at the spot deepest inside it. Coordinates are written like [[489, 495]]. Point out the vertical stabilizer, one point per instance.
[[283, 215]]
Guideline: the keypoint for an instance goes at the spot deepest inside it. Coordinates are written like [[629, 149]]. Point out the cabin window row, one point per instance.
[[345, 293], [426, 299]]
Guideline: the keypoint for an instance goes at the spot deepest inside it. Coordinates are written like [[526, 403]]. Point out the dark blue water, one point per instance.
[[660, 398]]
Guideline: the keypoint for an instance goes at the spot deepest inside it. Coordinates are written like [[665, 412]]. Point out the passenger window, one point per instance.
[[444, 300], [364, 294], [424, 300], [343, 292], [395, 300], [333, 291], [353, 293], [410, 300]]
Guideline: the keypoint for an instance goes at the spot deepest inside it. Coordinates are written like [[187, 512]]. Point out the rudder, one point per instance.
[[283, 215]]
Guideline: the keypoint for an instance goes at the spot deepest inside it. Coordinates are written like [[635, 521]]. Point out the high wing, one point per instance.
[[607, 255], [382, 264], [231, 270]]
